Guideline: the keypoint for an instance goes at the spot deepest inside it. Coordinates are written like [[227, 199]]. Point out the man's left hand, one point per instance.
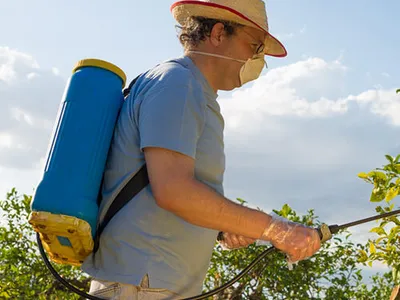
[[233, 241]]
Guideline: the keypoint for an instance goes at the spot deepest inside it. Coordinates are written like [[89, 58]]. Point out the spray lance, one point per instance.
[[325, 232]]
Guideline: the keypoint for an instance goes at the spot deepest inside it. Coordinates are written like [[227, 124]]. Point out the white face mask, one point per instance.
[[251, 69]]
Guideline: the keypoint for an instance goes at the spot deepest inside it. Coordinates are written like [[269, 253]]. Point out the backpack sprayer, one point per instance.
[[66, 202]]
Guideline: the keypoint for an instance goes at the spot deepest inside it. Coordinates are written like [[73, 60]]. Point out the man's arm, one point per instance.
[[170, 121], [176, 189]]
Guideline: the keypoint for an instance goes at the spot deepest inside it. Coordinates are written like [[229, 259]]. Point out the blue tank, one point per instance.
[[65, 201]]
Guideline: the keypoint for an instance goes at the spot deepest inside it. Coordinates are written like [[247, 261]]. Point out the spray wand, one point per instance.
[[326, 232]]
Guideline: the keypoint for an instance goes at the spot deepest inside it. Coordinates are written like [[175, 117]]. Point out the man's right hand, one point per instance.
[[296, 240]]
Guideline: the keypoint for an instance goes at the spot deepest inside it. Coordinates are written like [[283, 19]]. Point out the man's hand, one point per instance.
[[233, 241], [296, 240]]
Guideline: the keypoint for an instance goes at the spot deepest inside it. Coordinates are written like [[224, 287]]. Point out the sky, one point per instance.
[[299, 134]]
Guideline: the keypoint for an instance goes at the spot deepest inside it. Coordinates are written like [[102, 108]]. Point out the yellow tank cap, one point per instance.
[[93, 62]]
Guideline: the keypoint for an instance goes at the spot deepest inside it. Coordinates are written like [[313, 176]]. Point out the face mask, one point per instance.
[[251, 69]]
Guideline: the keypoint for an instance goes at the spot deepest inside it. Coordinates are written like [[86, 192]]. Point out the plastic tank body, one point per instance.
[[68, 191]]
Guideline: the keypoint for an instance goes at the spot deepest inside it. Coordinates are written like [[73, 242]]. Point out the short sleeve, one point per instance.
[[172, 115]]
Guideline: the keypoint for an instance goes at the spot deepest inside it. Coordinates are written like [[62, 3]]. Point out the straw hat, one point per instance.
[[246, 12]]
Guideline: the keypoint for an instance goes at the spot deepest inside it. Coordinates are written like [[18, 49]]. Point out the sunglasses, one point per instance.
[[259, 47]]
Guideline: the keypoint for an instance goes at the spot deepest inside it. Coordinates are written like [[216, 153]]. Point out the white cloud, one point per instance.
[[29, 101], [303, 29], [381, 102], [14, 64], [295, 137], [298, 90], [287, 36], [55, 71]]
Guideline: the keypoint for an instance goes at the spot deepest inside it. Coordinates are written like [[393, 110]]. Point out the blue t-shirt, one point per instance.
[[171, 106]]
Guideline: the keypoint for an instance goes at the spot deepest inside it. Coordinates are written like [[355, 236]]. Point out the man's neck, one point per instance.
[[206, 67]]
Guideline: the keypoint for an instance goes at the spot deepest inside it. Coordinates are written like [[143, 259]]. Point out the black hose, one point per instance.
[[58, 277], [198, 297], [333, 229], [235, 279]]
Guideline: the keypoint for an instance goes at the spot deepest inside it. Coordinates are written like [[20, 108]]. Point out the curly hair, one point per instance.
[[196, 29]]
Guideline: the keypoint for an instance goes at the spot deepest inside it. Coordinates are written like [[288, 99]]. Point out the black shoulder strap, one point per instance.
[[130, 190], [139, 181], [128, 89]]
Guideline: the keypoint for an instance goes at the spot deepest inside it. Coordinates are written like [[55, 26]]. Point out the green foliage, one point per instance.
[[386, 247], [23, 274], [332, 273]]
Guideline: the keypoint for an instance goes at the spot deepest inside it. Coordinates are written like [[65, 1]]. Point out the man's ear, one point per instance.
[[217, 34]]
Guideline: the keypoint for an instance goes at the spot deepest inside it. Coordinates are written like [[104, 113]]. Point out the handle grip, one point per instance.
[[325, 232]]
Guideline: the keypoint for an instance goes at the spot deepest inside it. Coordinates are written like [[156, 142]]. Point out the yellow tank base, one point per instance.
[[67, 240]]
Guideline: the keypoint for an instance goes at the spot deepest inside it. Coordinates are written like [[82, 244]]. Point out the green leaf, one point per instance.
[[363, 175], [372, 248], [392, 193], [398, 91], [378, 240], [396, 274], [241, 201], [389, 158], [395, 220], [286, 210], [378, 230], [363, 256], [394, 232], [379, 175], [377, 195]]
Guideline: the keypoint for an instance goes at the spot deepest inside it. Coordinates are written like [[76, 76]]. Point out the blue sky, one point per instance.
[[297, 135], [137, 34]]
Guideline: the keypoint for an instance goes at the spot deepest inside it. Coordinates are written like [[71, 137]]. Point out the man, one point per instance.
[[160, 244]]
